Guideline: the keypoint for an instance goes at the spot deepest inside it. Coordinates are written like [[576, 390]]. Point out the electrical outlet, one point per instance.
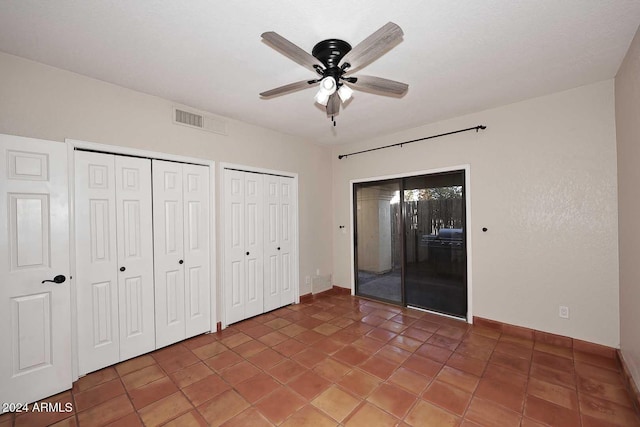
[[564, 312], [307, 280]]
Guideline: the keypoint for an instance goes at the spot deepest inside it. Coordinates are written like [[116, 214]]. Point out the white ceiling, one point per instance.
[[457, 57]]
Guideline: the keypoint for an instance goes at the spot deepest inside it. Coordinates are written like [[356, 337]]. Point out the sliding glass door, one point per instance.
[[411, 242], [435, 249], [379, 240]]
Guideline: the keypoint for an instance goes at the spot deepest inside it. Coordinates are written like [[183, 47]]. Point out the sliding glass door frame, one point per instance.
[[467, 233], [354, 249]]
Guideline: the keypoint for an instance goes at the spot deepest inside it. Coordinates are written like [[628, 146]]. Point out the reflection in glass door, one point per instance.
[[378, 240], [435, 248]]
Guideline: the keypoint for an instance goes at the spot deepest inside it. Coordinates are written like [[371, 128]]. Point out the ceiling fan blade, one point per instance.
[[333, 106], [380, 85], [303, 84], [373, 46], [291, 51]]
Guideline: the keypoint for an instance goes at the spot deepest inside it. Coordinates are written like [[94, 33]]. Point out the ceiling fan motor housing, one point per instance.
[[330, 52]]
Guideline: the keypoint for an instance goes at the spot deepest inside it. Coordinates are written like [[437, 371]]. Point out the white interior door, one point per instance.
[[286, 240], [196, 249], [35, 359], [96, 261], [234, 253], [253, 244], [168, 229], [135, 256], [272, 248]]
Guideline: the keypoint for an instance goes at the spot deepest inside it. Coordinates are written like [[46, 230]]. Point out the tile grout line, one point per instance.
[[126, 392], [177, 386], [466, 410]]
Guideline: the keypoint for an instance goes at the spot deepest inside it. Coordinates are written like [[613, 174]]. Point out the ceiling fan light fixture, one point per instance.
[[328, 84], [345, 93], [327, 88], [322, 97]]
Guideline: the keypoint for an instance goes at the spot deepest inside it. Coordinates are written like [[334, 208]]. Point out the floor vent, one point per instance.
[[320, 283], [199, 121]]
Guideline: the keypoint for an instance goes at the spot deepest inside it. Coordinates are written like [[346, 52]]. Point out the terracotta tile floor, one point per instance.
[[341, 360]]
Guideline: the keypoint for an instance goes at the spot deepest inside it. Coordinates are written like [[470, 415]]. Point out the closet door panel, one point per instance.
[[272, 249], [168, 230], [234, 252], [97, 278], [135, 256], [286, 243], [254, 254], [196, 249]]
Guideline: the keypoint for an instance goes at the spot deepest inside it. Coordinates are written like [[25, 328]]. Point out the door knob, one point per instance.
[[181, 262], [278, 247], [58, 279], [122, 269], [247, 253]]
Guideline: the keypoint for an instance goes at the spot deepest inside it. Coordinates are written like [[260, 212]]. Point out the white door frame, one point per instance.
[[72, 145], [467, 195], [296, 245]]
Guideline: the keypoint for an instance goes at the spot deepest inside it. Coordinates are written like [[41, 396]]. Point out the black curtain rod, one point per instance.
[[476, 128]]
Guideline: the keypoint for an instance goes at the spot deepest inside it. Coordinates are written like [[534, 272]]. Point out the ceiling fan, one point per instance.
[[333, 60]]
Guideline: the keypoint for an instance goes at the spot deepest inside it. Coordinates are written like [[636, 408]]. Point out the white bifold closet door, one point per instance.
[[259, 243], [278, 235], [243, 270], [181, 240], [114, 247]]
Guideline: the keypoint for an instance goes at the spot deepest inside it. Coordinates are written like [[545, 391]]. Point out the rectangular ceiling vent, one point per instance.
[[199, 121]]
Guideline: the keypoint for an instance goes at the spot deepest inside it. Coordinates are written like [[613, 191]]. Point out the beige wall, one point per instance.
[[543, 181], [627, 92], [43, 102]]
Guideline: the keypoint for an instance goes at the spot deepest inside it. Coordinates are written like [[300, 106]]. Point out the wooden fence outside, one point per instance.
[[422, 218]]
